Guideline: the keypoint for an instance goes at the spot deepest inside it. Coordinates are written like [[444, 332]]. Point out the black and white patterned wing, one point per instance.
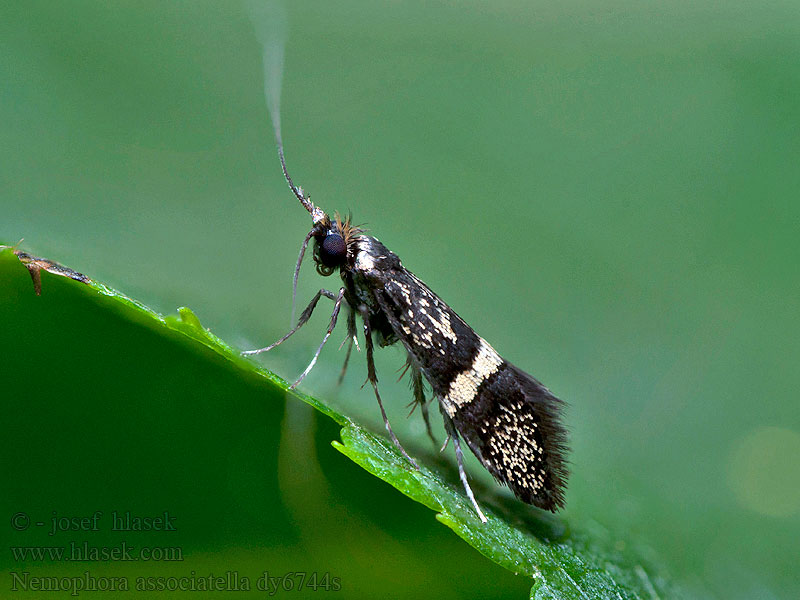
[[509, 420]]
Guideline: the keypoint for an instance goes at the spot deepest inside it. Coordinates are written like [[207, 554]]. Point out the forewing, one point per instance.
[[509, 420], [512, 425]]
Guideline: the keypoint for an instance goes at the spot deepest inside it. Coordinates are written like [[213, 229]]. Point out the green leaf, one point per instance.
[[563, 560]]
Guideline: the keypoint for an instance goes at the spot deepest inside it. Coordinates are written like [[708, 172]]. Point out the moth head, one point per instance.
[[332, 242]]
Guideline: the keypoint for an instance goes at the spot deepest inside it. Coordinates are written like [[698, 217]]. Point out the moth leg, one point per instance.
[[302, 321], [349, 340], [452, 433], [419, 398], [334, 316], [346, 361], [373, 379]]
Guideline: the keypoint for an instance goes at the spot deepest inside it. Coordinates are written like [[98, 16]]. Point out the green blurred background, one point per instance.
[[605, 191]]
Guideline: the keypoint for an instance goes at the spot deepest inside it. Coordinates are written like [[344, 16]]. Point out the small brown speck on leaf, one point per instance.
[[35, 264]]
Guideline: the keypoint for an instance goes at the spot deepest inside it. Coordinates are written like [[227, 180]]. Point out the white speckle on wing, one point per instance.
[[513, 448], [365, 261], [432, 308], [440, 320], [423, 339]]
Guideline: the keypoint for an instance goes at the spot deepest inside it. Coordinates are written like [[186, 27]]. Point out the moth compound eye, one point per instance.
[[333, 250]]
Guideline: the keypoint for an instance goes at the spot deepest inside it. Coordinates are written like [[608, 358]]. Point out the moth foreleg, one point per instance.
[[301, 321], [373, 379], [452, 433], [334, 316]]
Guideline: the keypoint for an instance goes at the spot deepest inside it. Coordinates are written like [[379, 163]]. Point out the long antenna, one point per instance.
[[317, 214], [271, 26], [298, 191]]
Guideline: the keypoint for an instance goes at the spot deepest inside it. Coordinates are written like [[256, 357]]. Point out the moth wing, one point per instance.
[[513, 427], [509, 420]]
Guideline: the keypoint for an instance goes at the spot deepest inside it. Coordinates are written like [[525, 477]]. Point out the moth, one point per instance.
[[509, 420]]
